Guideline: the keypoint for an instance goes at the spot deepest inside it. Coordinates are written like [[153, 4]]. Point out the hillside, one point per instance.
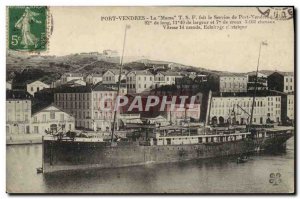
[[37, 66], [84, 63]]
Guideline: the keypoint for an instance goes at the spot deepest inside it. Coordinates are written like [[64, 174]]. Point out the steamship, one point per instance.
[[158, 145], [152, 144]]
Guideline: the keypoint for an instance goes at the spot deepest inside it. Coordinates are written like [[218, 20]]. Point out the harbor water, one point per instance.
[[221, 175]]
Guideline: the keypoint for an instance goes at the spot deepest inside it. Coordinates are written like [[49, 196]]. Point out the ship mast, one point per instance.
[[255, 84], [119, 84]]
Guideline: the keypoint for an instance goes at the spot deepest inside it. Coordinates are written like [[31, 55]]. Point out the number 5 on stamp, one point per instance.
[[27, 28]]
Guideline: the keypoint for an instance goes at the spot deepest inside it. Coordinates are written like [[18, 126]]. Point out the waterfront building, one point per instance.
[[93, 78], [70, 76], [51, 119], [159, 79], [288, 107], [281, 81], [233, 83], [165, 78], [75, 82], [261, 82], [140, 81], [291, 106], [103, 119], [183, 114], [84, 103], [185, 83], [76, 101], [36, 86], [237, 109], [111, 76], [18, 112]]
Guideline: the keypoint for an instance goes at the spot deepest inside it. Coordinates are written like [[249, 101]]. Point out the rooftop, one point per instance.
[[73, 74], [106, 87], [141, 72], [116, 71], [74, 81], [259, 72], [77, 89], [96, 75], [284, 73], [170, 73], [259, 93], [17, 94], [43, 108], [232, 75]]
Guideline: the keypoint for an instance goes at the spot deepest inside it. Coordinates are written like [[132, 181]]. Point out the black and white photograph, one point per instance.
[[150, 100]]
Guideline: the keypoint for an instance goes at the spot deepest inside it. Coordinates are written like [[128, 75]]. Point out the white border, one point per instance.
[[105, 3]]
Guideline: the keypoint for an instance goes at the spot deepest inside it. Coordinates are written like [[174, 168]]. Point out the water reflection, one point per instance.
[[198, 176]]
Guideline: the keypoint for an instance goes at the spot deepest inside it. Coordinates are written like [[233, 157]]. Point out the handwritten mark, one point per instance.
[[275, 178]]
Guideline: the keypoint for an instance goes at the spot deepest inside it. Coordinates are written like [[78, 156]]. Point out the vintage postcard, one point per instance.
[[152, 100]]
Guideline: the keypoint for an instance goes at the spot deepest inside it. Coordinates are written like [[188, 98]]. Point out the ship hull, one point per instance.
[[73, 155]]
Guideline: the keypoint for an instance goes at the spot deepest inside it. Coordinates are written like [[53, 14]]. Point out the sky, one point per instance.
[[80, 29]]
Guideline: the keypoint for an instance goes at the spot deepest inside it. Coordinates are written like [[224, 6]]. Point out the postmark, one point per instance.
[[27, 28], [277, 13]]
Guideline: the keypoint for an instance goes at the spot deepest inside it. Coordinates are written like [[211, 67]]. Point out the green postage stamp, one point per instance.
[[27, 28]]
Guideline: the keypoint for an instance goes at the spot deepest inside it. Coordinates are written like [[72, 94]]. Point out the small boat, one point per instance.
[[242, 159], [39, 170]]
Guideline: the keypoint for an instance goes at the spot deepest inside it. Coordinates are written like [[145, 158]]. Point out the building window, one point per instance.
[[31, 88], [36, 129], [287, 88], [35, 119], [52, 115], [62, 117], [44, 117]]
